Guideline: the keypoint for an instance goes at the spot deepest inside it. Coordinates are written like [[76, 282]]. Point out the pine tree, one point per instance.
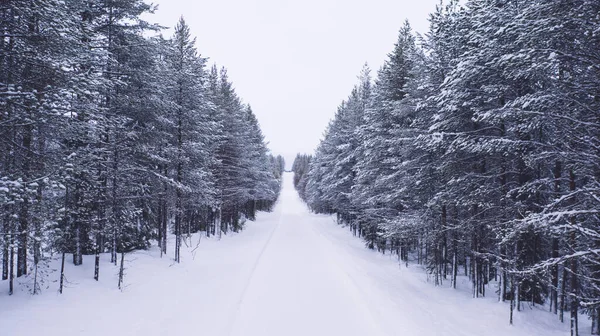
[[479, 151], [108, 136], [379, 157]]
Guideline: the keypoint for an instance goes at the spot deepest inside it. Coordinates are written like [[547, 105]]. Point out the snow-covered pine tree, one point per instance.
[[40, 52], [194, 131], [556, 113], [485, 158], [379, 157], [89, 148], [301, 167], [430, 219]]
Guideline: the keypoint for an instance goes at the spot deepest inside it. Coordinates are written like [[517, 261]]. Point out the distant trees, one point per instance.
[[300, 168], [110, 139], [476, 152]]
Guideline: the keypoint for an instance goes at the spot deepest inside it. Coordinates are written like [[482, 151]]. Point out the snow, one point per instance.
[[289, 273]]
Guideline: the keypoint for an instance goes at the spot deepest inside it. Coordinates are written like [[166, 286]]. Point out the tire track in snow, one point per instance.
[[351, 284], [231, 321]]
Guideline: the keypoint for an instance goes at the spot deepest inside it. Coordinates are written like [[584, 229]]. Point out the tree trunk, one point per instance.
[[165, 227], [444, 251], [78, 253], [11, 272], [178, 227], [97, 258], [219, 222], [121, 270], [512, 299], [574, 300], [5, 247], [62, 273], [101, 220], [563, 290], [454, 265], [118, 243], [555, 248], [594, 318], [159, 226], [24, 211]]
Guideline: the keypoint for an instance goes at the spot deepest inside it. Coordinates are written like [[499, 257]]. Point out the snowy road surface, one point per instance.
[[289, 273]]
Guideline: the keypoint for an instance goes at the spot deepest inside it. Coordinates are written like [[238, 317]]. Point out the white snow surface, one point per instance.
[[289, 273]]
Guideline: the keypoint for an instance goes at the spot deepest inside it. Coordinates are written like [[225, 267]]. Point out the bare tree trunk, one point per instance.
[[5, 248], [113, 249], [219, 223], [36, 285], [178, 227], [512, 299], [555, 246], [37, 253], [78, 253], [37, 222], [164, 226], [574, 301], [101, 224], [159, 226], [11, 272], [62, 273], [563, 297], [518, 295], [97, 258], [22, 238], [454, 265], [116, 206], [121, 270], [596, 322], [23, 231], [444, 256], [6, 76]]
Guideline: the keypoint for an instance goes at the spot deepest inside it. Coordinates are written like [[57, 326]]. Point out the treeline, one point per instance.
[[301, 167], [110, 139], [476, 151]]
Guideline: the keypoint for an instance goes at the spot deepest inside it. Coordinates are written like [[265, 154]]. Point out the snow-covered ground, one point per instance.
[[289, 273]]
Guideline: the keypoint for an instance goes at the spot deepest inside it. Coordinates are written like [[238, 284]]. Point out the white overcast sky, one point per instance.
[[294, 61]]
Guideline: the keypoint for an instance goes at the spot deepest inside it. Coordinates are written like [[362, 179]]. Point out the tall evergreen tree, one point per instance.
[[478, 152], [109, 139], [379, 156]]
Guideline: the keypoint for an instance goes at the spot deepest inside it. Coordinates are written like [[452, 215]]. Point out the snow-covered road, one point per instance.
[[289, 273], [314, 278], [300, 286]]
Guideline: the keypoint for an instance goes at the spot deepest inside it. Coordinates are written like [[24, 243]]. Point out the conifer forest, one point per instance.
[[476, 150], [110, 139], [133, 176]]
